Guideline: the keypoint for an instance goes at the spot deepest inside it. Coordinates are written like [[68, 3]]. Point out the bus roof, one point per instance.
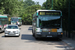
[[48, 10], [17, 17], [3, 16]]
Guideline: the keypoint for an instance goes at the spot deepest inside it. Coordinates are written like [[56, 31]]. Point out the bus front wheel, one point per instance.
[[37, 38], [33, 33]]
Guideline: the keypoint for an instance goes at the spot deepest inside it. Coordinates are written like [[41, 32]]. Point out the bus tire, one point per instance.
[[32, 30], [36, 38], [33, 33]]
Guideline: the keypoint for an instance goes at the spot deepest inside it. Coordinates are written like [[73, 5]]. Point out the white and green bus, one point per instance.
[[47, 23], [3, 22], [16, 20]]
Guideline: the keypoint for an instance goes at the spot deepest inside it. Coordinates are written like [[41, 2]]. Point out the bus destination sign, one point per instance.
[[49, 13]]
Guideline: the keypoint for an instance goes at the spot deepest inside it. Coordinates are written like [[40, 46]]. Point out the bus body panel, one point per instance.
[[37, 29], [3, 22]]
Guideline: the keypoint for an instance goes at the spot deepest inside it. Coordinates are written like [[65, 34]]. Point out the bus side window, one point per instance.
[[40, 23], [35, 22]]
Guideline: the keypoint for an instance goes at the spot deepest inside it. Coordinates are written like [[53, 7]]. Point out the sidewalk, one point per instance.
[[69, 41]]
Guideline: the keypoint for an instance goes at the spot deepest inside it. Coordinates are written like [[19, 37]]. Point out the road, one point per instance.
[[27, 42]]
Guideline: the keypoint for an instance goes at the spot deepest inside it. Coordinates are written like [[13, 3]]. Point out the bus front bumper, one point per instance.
[[49, 34]]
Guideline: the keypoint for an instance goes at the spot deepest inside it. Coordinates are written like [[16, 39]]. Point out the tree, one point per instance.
[[29, 11], [37, 3], [12, 7], [47, 4], [28, 3]]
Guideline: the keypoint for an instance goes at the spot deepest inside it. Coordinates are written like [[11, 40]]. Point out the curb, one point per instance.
[[71, 46]]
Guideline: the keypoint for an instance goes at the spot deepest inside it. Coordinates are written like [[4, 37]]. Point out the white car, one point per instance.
[[12, 30]]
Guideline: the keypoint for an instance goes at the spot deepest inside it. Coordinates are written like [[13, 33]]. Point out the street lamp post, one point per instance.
[[52, 4], [69, 30], [46, 4]]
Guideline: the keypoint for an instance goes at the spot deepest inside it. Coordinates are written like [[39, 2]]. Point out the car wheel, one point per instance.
[[5, 36], [37, 38], [18, 35]]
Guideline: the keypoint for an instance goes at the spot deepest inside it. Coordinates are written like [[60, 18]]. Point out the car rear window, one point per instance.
[[12, 27]]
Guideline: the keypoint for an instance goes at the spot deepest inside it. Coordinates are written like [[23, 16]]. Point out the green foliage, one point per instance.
[[29, 11], [16, 8], [12, 7], [2, 10], [28, 3]]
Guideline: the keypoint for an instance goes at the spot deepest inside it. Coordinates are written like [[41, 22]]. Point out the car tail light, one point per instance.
[[0, 26], [5, 25]]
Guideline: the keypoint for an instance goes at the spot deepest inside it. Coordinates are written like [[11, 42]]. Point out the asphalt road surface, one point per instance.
[[27, 42]]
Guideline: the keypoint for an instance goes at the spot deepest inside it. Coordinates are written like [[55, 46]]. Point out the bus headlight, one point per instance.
[[38, 30], [59, 30], [18, 23]]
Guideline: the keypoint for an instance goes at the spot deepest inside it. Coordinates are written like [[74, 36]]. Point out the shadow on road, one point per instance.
[[46, 41], [1, 32], [9, 36], [30, 28], [27, 37], [30, 37]]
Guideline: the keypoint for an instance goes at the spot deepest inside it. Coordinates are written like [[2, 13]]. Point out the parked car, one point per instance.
[[12, 30]]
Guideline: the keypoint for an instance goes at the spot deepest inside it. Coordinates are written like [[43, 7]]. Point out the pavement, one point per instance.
[[27, 42], [70, 42]]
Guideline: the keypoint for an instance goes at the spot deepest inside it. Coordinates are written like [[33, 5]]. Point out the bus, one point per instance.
[[16, 21], [47, 23], [3, 22]]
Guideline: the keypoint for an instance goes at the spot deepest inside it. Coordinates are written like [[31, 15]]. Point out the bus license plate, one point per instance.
[[49, 36]]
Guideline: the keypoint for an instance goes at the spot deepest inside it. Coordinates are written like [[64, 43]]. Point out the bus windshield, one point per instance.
[[3, 21], [49, 21], [14, 19], [19, 20]]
